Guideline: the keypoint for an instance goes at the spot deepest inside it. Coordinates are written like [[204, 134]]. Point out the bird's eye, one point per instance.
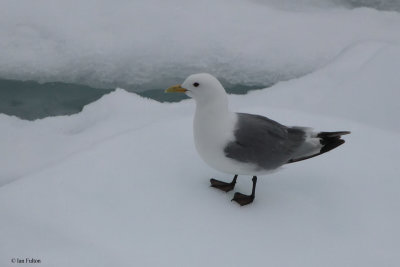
[[196, 84]]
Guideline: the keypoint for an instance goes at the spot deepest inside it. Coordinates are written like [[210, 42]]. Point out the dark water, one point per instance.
[[391, 5], [31, 100]]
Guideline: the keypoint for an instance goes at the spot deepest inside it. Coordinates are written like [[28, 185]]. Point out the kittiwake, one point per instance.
[[246, 144]]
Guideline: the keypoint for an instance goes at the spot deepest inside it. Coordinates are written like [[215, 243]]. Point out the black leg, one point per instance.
[[246, 199], [223, 185]]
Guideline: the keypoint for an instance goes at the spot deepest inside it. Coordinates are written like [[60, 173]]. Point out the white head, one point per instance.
[[202, 87]]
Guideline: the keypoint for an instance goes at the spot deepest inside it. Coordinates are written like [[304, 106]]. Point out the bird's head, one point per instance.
[[202, 87]]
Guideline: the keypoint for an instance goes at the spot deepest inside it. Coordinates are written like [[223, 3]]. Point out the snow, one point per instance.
[[145, 43], [120, 183]]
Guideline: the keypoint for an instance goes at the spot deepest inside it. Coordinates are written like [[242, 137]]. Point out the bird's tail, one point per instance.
[[321, 142]]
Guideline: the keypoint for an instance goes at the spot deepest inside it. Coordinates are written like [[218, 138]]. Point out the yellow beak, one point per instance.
[[176, 89]]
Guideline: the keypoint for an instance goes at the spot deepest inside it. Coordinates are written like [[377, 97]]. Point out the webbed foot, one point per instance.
[[242, 199], [226, 187]]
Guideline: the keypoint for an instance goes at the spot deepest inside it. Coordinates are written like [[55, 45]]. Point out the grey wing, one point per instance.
[[264, 142]]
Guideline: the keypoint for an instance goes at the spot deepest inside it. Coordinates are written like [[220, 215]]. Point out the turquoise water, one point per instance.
[[32, 100]]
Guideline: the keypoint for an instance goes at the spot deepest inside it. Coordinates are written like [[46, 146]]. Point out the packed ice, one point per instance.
[[145, 43]]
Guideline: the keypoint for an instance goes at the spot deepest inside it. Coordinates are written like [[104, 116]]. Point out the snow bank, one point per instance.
[[108, 43], [361, 84], [121, 184]]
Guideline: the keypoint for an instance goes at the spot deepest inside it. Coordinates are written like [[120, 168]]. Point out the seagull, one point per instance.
[[246, 144]]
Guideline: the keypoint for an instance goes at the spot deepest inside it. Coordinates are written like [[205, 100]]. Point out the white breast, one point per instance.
[[212, 131]]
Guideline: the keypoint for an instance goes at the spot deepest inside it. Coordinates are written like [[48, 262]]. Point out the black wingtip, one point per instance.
[[332, 134], [329, 141], [331, 144]]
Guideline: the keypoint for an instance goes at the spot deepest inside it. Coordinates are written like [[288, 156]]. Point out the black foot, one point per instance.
[[226, 187], [246, 199], [242, 199]]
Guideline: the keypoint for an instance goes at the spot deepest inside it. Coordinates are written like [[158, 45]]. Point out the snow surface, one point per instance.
[[120, 183], [147, 42]]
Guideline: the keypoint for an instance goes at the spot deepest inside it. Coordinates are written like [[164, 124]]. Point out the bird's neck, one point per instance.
[[213, 108]]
